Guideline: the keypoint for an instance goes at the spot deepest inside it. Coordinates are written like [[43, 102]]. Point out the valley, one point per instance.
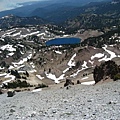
[[60, 60], [23, 49]]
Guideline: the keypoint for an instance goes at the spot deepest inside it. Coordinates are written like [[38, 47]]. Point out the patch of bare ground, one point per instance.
[[88, 33], [117, 60], [33, 80]]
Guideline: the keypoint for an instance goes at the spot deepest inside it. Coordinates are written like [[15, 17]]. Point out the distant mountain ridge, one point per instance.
[[54, 11], [91, 16], [116, 1], [95, 16], [14, 21]]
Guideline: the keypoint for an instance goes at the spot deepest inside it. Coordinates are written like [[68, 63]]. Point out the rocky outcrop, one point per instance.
[[109, 68], [11, 93], [68, 82], [1, 91]]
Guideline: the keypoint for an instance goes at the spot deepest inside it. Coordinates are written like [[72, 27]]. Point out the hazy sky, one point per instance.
[[8, 4]]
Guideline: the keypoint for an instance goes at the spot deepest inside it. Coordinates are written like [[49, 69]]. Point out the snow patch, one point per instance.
[[85, 78], [40, 77], [66, 70], [9, 76], [30, 34], [16, 34], [21, 66], [71, 63], [20, 45], [8, 47], [88, 83], [11, 54], [91, 62], [11, 67], [36, 90], [1, 68], [75, 74], [53, 77], [41, 34], [3, 74], [84, 65], [112, 55], [10, 32], [32, 71], [98, 55], [58, 52], [22, 61]]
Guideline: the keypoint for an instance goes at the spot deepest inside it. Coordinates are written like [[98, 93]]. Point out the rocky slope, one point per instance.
[[99, 102]]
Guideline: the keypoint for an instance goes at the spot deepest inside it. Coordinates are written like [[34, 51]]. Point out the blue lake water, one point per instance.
[[63, 41]]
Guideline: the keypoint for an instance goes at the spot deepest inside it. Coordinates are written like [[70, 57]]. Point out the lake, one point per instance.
[[63, 41]]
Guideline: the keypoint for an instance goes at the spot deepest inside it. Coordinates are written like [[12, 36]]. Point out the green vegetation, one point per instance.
[[18, 83], [41, 86], [109, 68], [103, 39], [15, 73], [95, 16], [117, 77]]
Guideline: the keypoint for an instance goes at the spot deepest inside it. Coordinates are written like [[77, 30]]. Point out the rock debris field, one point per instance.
[[79, 102]]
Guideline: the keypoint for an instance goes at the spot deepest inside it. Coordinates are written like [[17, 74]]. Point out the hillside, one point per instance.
[[52, 64], [78, 102], [95, 16]]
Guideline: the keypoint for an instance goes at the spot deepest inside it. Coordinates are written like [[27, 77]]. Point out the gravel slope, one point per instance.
[[99, 102]]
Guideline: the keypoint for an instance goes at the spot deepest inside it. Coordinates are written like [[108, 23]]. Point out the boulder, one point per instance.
[[68, 82], [11, 93], [78, 82], [1, 91]]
